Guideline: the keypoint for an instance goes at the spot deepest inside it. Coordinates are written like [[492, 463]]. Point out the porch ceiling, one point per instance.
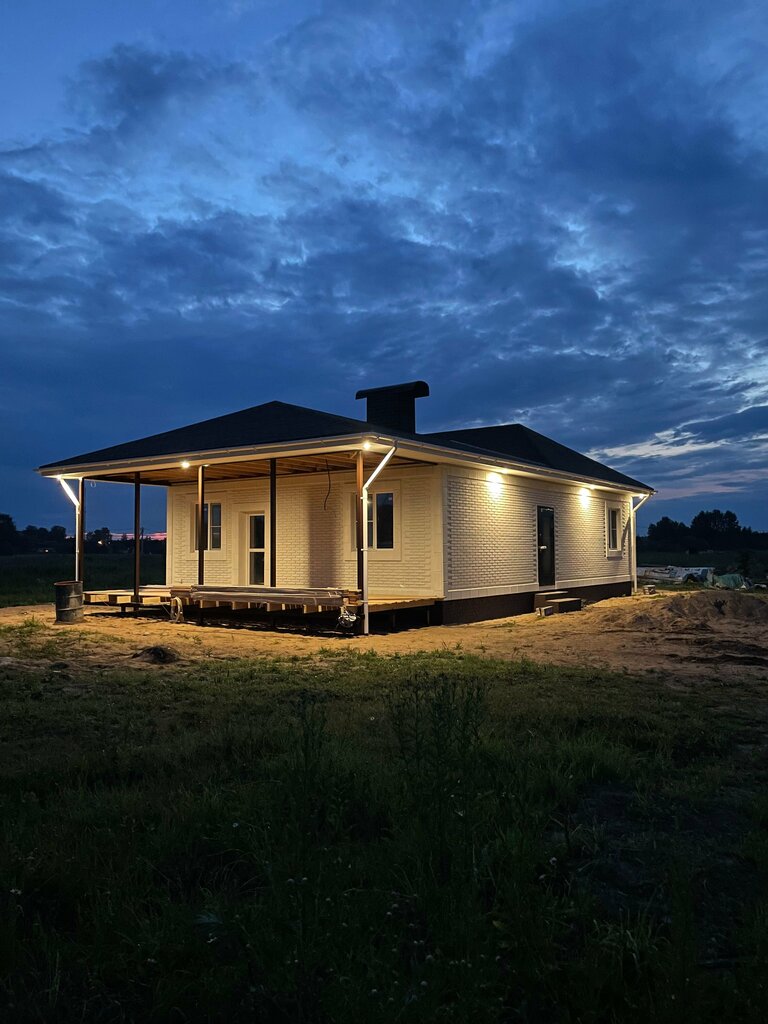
[[333, 462]]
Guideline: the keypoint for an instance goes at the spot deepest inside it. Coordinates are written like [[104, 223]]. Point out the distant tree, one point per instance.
[[668, 533], [717, 529], [9, 535], [36, 538], [101, 537], [58, 538]]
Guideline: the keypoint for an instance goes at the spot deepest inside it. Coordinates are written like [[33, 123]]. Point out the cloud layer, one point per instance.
[[555, 213]]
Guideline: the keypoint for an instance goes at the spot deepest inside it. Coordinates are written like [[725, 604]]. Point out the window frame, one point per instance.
[[208, 507], [612, 551], [372, 521], [377, 554]]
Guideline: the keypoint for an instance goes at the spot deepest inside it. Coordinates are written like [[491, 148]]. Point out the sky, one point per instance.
[[554, 212]]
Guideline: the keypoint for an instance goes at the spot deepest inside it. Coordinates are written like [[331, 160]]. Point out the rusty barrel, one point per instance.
[[69, 601]]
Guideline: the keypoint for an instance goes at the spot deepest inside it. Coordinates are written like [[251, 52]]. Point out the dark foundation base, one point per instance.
[[475, 609]]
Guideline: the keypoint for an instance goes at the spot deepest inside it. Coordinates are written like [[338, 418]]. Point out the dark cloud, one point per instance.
[[555, 213], [133, 86]]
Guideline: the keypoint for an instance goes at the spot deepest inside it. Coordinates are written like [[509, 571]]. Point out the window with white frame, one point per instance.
[[381, 520], [613, 528], [211, 526], [381, 523]]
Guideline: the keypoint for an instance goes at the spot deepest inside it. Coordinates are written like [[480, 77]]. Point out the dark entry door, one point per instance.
[[546, 534]]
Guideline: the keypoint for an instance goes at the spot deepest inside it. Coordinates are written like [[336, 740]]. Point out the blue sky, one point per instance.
[[554, 212]]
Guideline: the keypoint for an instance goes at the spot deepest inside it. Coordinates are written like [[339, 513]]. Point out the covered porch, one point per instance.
[[268, 590]]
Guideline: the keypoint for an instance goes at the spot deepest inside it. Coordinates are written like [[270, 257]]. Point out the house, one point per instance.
[[263, 512]]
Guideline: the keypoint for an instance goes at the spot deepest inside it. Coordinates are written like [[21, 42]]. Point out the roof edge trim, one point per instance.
[[480, 459]]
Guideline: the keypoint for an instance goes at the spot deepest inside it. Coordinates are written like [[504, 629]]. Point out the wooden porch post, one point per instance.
[[136, 539], [359, 520], [202, 540], [273, 522], [80, 530]]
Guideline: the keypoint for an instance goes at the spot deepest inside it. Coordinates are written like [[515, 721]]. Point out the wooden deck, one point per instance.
[[149, 595], [269, 599]]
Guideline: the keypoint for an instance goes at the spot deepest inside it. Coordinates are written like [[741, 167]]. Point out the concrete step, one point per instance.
[[545, 596], [565, 604]]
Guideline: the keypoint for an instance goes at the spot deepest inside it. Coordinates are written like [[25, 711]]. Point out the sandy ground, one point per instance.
[[704, 633]]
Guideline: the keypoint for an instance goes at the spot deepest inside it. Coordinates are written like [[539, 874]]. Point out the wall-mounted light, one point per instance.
[[495, 484], [184, 464], [584, 497]]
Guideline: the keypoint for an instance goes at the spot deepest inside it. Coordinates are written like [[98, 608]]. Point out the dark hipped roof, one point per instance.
[[271, 423], [279, 422], [516, 441]]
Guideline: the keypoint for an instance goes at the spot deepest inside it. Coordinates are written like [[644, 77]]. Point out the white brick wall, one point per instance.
[[491, 534], [315, 544]]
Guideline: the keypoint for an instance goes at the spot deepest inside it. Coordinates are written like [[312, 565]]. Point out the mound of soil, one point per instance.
[[157, 655], [702, 609]]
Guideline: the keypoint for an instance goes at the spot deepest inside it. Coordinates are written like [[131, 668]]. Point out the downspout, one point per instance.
[[633, 512], [364, 515]]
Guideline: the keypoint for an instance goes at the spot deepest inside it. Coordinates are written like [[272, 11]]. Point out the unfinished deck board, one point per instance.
[[276, 598], [393, 604], [152, 595]]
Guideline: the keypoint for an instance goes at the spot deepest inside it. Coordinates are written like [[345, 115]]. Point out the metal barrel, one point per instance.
[[69, 601]]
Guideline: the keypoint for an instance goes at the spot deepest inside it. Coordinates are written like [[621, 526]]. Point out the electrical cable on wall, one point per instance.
[[328, 471]]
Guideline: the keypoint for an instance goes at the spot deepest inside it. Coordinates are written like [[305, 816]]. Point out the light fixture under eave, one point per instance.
[[495, 484], [68, 491], [584, 497], [185, 464], [367, 445]]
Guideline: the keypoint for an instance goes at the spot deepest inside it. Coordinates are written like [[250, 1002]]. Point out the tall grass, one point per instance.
[[417, 839]]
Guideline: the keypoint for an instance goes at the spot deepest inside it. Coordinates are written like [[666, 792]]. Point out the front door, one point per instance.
[[255, 560], [546, 535]]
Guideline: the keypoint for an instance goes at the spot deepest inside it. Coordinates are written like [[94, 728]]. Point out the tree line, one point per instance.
[[708, 531], [34, 540]]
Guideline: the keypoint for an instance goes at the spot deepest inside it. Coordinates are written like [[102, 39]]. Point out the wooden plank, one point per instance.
[[390, 606]]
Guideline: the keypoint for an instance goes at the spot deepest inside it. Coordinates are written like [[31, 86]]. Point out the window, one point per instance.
[[613, 528], [380, 520], [211, 526]]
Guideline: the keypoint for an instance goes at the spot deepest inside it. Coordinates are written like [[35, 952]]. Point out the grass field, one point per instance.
[[29, 579], [352, 838]]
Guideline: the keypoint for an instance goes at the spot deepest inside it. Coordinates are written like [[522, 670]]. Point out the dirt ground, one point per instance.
[[704, 634]]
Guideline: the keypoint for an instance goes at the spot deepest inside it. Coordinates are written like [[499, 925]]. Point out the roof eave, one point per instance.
[[209, 457], [437, 453], [519, 467]]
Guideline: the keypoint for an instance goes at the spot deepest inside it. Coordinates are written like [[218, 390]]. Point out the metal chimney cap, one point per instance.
[[413, 388]]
